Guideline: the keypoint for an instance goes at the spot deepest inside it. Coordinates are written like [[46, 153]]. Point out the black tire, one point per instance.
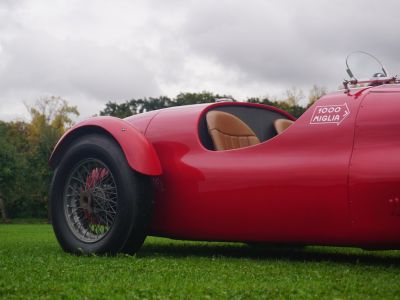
[[92, 170]]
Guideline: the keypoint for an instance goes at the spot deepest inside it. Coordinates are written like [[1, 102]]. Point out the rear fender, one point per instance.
[[139, 152]]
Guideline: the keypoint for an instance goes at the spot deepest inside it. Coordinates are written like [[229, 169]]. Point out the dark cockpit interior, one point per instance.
[[234, 126]]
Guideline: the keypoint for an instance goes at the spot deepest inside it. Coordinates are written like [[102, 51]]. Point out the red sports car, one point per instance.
[[233, 171]]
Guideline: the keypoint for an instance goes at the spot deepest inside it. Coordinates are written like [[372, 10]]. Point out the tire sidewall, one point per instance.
[[109, 153]]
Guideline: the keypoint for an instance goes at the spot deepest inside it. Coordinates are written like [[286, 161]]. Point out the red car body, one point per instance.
[[332, 178]]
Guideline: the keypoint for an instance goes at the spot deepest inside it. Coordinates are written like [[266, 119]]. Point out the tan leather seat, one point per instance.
[[229, 132], [282, 124]]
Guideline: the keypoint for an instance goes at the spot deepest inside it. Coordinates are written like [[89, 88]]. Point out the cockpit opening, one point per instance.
[[235, 126]]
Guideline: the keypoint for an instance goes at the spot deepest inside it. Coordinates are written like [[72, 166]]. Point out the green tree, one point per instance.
[[51, 113], [50, 118], [153, 104], [293, 109], [8, 167], [25, 148], [136, 106], [131, 107], [194, 98], [16, 195], [122, 110]]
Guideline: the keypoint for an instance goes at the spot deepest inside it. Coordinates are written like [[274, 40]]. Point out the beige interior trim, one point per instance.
[[282, 124], [229, 132]]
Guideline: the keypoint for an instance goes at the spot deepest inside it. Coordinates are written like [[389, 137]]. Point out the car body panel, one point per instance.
[[375, 169], [292, 187], [139, 153]]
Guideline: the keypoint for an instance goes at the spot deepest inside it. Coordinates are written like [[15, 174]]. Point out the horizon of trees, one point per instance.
[[25, 146], [290, 102]]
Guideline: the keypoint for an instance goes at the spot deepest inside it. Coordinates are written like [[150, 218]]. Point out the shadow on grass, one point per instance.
[[310, 254]]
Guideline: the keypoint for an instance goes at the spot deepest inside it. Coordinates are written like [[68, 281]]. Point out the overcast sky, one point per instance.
[[91, 52]]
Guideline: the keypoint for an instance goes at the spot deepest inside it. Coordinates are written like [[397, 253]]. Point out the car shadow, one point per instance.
[[311, 253]]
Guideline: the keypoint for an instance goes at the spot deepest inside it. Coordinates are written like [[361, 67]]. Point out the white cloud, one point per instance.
[[90, 52]]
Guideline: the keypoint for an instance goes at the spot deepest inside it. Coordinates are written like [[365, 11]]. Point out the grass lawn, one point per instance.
[[32, 265]]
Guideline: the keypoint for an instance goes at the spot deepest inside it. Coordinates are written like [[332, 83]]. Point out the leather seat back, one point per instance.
[[282, 124], [229, 132]]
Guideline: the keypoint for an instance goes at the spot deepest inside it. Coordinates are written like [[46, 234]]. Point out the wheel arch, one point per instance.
[[139, 152]]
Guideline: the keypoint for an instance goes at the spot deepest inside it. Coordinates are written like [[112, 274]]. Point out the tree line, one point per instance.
[[289, 103], [25, 147]]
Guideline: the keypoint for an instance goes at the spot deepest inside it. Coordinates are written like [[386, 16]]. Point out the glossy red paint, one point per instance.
[[139, 153], [375, 169], [325, 183], [330, 181], [292, 187]]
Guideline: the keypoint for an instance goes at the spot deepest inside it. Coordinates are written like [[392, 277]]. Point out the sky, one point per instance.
[[91, 52]]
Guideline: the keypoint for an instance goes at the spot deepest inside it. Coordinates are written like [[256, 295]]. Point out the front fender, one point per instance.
[[139, 152]]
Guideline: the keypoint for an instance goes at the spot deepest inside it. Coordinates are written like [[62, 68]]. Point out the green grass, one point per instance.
[[27, 221], [32, 265]]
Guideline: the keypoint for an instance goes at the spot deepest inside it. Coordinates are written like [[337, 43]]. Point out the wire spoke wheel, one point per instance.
[[90, 200], [98, 203]]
